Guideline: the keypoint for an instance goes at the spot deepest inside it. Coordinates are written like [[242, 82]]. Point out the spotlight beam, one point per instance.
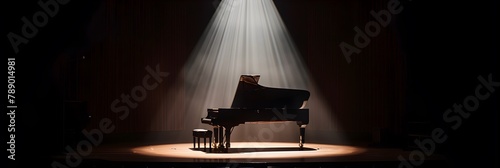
[[243, 37]]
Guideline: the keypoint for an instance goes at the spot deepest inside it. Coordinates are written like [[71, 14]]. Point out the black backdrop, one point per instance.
[[427, 59]]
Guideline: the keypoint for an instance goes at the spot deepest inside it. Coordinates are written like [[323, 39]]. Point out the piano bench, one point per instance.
[[202, 133]]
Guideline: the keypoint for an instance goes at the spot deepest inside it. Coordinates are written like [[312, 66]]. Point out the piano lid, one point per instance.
[[252, 79], [250, 95]]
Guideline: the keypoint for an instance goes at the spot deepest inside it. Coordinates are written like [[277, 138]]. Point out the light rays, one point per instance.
[[244, 37]]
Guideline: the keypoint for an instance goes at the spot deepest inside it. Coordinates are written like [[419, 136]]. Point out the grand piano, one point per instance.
[[255, 103]]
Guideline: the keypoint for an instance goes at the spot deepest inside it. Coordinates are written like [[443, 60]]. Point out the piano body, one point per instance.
[[255, 103]]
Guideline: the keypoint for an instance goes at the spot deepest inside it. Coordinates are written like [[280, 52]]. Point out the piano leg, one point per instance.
[[228, 139], [221, 137], [302, 136], [216, 137]]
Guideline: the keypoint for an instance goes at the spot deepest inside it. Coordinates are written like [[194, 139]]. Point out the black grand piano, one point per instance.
[[255, 103]]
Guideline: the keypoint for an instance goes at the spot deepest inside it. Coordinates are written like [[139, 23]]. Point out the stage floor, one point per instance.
[[247, 154]]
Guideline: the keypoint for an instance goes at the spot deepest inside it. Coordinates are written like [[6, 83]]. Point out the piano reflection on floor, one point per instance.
[[255, 103]]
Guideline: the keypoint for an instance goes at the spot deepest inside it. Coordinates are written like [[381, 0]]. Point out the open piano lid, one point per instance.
[[250, 95]]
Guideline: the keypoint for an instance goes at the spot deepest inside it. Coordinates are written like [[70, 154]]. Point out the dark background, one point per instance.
[[427, 59]]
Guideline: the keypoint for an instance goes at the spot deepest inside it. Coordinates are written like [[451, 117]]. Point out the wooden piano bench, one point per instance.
[[202, 133]]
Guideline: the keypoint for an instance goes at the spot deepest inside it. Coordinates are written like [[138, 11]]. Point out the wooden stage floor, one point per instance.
[[247, 154]]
